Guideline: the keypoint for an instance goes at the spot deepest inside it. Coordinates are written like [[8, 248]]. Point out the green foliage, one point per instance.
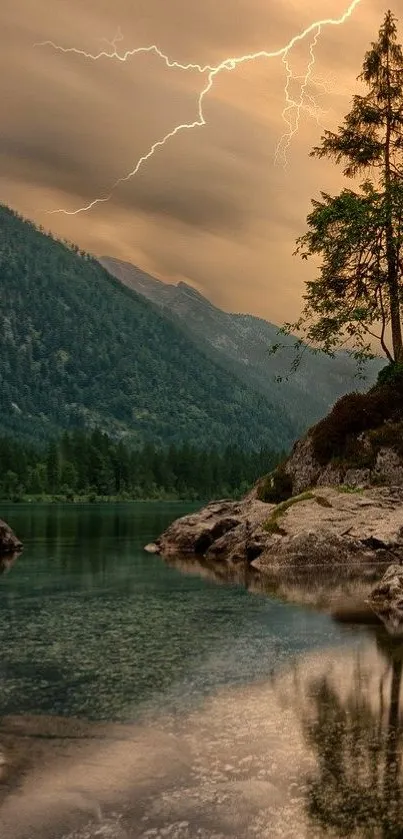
[[80, 350], [392, 374], [359, 235], [92, 466], [349, 299]]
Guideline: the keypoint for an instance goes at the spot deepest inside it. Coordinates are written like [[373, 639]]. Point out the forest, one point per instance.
[[89, 467], [80, 350]]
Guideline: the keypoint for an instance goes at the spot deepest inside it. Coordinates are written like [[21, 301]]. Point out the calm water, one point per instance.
[[141, 701]]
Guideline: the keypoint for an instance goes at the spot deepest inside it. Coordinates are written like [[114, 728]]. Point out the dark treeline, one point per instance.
[[88, 466]]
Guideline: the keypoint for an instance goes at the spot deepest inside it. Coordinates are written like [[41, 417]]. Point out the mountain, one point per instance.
[[240, 343], [80, 349]]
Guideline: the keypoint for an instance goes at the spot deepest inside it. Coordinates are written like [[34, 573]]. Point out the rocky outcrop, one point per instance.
[[9, 544], [325, 527], [225, 529], [305, 469], [359, 443], [336, 501]]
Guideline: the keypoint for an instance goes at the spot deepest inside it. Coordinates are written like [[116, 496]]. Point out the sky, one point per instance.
[[212, 207]]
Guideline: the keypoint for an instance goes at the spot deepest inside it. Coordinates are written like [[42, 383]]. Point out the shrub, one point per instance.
[[389, 435], [391, 374], [329, 435]]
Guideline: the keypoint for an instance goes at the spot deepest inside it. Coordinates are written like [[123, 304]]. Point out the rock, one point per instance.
[[152, 548], [326, 527], [306, 471], [302, 466], [388, 467], [8, 541], [221, 530]]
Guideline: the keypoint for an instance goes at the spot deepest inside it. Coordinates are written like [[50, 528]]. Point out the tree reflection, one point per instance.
[[358, 787]]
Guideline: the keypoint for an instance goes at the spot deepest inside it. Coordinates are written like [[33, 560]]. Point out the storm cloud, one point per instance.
[[211, 207]]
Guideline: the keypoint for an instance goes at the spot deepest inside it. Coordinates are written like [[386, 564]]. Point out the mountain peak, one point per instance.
[[240, 343]]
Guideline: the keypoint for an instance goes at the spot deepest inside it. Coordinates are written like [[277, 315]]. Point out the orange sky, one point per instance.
[[211, 207]]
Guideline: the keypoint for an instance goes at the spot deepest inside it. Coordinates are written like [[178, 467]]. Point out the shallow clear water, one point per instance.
[[93, 626], [141, 701]]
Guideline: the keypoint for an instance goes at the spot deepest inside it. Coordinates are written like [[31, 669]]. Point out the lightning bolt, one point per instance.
[[293, 107], [291, 113]]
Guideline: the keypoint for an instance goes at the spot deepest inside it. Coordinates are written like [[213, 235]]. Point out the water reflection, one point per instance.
[[355, 731], [315, 752], [270, 721], [7, 562], [342, 594]]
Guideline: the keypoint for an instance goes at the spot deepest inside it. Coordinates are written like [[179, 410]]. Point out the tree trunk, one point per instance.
[[391, 254], [395, 321]]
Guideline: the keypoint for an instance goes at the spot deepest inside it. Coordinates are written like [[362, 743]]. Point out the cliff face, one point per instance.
[[382, 466]]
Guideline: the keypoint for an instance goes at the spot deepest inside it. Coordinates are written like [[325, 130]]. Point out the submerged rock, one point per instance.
[[8, 541]]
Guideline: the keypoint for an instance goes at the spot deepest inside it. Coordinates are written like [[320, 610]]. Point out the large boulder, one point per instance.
[[220, 530], [9, 543], [360, 442]]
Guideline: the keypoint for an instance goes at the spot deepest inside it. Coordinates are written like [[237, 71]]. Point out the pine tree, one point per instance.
[[360, 234]]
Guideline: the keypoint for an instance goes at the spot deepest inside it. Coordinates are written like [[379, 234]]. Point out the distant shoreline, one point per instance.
[[101, 499]]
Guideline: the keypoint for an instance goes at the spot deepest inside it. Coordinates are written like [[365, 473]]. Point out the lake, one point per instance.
[[140, 699]]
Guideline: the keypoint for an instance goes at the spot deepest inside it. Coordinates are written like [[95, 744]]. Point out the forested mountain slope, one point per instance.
[[79, 349], [240, 343]]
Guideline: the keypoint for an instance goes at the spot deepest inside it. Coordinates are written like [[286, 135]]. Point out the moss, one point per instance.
[[347, 489], [275, 487], [272, 525]]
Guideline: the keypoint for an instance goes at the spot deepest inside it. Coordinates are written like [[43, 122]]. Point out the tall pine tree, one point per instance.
[[359, 234]]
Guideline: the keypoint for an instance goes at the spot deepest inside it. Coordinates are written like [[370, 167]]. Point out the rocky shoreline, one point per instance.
[[327, 527]]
